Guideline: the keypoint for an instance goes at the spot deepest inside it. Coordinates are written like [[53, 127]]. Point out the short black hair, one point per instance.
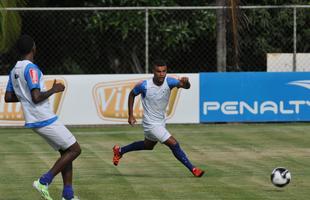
[[24, 45], [159, 63]]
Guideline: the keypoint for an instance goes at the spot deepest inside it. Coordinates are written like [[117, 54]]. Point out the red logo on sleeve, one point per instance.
[[34, 76]]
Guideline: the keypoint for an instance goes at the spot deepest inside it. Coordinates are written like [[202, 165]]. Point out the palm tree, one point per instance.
[[235, 27], [229, 16], [10, 24], [221, 36]]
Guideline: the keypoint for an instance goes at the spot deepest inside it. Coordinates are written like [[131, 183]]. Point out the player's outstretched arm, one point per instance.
[[38, 96], [131, 99], [10, 97], [184, 83]]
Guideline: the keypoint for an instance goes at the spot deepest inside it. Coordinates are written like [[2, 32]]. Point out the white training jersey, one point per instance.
[[155, 100], [24, 77]]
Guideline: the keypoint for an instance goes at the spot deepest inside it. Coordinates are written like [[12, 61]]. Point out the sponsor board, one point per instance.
[[102, 99], [12, 113], [254, 97]]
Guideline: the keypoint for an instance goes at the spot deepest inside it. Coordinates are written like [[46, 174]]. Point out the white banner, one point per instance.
[[102, 99]]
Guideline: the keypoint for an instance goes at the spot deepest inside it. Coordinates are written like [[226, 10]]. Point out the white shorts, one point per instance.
[[158, 133], [57, 135]]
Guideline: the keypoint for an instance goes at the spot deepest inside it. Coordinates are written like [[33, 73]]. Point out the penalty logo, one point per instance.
[[302, 83]]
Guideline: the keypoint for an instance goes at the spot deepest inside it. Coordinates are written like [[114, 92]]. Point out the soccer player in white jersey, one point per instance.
[[155, 95], [26, 86]]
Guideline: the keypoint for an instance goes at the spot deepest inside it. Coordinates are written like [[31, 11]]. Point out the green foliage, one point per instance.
[[116, 39], [124, 22], [271, 31], [122, 34], [303, 27], [10, 24], [275, 2], [179, 29], [122, 3], [72, 66]]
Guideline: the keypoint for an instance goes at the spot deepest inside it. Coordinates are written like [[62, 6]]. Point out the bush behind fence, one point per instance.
[[113, 41]]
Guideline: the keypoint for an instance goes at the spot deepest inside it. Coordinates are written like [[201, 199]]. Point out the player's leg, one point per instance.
[[60, 138], [65, 159], [137, 146], [118, 151], [64, 165], [177, 151], [67, 174]]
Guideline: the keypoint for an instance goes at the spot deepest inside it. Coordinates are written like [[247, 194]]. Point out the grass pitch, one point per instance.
[[238, 159]]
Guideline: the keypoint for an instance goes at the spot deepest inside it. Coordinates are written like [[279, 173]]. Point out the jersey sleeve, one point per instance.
[[140, 88], [9, 87], [173, 82], [32, 76]]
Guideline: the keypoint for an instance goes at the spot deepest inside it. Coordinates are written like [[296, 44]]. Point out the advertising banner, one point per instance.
[[255, 97], [102, 99]]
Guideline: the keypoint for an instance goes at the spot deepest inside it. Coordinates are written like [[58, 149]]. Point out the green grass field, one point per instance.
[[238, 158]]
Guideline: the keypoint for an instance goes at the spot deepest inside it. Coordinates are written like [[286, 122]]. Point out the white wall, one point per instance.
[[283, 62]]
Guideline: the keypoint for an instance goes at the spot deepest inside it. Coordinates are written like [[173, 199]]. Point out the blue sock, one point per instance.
[[180, 155], [68, 193], [47, 178], [135, 146]]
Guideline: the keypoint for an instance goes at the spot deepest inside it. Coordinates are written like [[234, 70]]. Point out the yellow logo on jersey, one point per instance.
[[111, 99]]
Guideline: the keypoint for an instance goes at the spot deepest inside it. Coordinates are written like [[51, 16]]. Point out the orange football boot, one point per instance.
[[117, 156], [197, 172]]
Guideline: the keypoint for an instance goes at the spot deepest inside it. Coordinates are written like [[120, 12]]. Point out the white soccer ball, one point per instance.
[[280, 177]]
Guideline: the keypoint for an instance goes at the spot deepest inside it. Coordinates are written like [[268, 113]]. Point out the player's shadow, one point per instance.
[[274, 190], [146, 175]]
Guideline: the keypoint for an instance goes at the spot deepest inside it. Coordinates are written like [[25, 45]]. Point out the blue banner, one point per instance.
[[254, 97]]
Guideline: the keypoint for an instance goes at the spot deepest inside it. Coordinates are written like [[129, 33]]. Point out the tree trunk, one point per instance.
[[221, 36], [234, 4]]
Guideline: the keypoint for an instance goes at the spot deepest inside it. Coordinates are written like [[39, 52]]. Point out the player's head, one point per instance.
[[25, 45], [159, 71]]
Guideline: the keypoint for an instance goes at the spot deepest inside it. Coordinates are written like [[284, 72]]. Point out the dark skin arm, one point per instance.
[[131, 99], [184, 83], [38, 96], [10, 97]]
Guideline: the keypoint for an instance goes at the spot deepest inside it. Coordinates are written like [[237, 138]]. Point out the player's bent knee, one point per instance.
[[78, 150], [75, 149], [174, 146]]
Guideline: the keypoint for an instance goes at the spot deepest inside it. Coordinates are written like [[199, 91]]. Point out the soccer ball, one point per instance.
[[280, 177]]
